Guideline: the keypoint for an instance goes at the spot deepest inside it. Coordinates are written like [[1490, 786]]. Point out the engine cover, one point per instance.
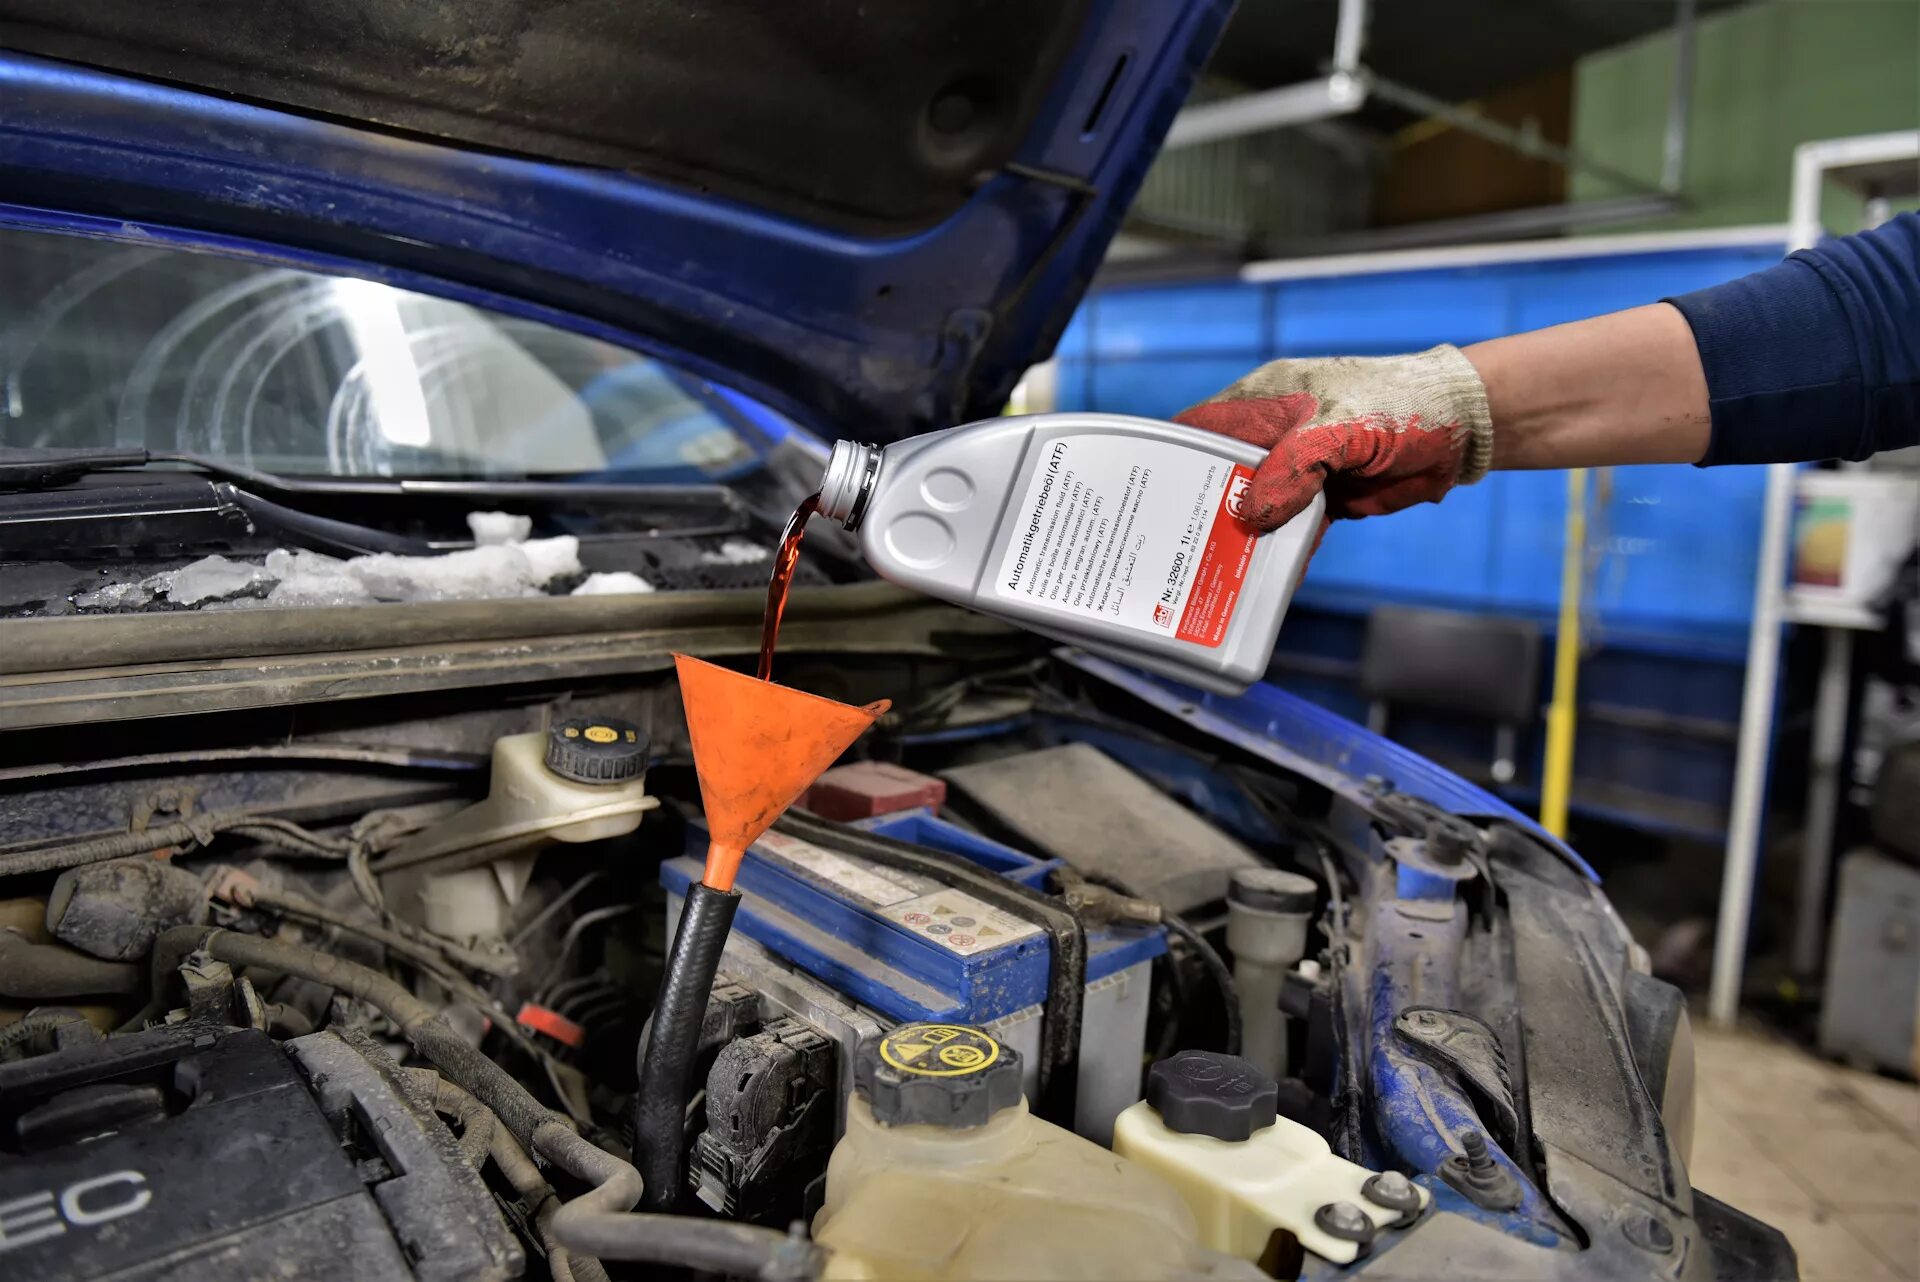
[[192, 1152]]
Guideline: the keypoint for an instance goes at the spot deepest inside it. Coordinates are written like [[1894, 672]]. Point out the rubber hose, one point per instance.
[[666, 1065], [519, 1171], [532, 1189], [599, 1214], [37, 971], [119, 846], [1218, 971], [710, 1246], [284, 1020], [427, 951], [267, 829], [477, 1122], [596, 1224], [419, 1023]]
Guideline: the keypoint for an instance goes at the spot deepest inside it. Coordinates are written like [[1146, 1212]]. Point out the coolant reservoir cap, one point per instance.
[[946, 1075], [1207, 1093], [597, 750]]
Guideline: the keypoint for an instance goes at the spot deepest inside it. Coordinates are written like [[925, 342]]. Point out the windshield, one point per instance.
[[289, 371]]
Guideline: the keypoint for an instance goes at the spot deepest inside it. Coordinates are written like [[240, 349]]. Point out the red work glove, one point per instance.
[[1377, 433]]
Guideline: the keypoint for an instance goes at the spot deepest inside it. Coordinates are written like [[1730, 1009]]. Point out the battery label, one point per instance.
[[867, 885], [1146, 534], [959, 923]]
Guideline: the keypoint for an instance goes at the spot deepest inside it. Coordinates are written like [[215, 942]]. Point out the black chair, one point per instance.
[[1473, 665]]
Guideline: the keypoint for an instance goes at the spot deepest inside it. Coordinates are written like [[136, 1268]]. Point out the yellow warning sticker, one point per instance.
[[938, 1050], [602, 734]]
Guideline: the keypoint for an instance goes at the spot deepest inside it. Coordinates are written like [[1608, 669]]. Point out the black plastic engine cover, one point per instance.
[[180, 1153]]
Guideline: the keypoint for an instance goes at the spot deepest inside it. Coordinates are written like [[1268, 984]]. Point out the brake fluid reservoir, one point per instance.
[[582, 780], [944, 1174], [1209, 1127], [1121, 535]]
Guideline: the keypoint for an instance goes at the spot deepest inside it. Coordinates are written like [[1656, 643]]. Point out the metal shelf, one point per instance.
[[1820, 612]]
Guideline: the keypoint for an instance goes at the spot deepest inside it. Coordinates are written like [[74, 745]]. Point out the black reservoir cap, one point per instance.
[[1207, 1093], [937, 1075], [597, 750]]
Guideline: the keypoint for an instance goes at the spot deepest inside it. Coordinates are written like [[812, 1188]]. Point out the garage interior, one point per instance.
[[416, 425]]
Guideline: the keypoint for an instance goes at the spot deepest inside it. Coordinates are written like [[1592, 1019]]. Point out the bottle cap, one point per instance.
[[946, 1075], [597, 750], [848, 483], [1207, 1093]]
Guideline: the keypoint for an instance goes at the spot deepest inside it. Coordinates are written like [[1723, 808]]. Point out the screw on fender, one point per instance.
[[1479, 1176], [1395, 1192], [1649, 1233]]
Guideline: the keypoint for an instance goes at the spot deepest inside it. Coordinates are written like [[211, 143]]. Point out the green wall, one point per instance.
[[1766, 77]]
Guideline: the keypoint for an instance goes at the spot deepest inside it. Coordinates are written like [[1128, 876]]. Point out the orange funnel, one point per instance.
[[756, 747]]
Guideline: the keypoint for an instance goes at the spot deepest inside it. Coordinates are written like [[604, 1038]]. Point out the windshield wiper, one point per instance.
[[40, 469], [318, 533], [680, 510]]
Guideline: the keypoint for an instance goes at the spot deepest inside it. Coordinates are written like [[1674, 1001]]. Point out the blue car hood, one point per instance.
[[871, 217]]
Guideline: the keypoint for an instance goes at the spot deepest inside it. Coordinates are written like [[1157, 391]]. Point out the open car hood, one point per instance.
[[871, 217]]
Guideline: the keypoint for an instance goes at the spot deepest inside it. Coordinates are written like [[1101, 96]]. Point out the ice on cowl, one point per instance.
[[613, 583], [498, 566]]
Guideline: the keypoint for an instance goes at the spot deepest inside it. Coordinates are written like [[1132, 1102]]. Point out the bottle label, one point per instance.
[[1145, 534]]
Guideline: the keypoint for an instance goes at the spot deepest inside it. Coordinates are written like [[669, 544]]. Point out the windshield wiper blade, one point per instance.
[[39, 469], [194, 511], [318, 533]]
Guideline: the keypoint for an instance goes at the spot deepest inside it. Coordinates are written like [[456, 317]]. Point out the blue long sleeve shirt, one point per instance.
[[1817, 357]]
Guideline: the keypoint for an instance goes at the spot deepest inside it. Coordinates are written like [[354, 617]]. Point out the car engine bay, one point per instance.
[[364, 987]]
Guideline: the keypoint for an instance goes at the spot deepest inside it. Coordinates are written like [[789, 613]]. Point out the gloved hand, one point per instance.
[[1378, 433]]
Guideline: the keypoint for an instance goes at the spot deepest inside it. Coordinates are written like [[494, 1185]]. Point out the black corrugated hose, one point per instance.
[[666, 1063]]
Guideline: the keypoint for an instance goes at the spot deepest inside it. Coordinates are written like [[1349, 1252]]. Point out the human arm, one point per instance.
[[1626, 387], [1816, 357]]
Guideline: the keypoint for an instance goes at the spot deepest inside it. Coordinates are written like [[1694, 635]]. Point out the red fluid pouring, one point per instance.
[[784, 563]]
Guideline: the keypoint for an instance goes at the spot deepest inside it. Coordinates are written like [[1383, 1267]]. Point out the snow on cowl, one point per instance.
[[498, 567]]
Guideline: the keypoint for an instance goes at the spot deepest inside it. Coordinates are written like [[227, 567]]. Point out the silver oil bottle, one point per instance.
[[1119, 535]]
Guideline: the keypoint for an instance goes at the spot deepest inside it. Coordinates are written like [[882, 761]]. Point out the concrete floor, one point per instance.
[[1829, 1156]]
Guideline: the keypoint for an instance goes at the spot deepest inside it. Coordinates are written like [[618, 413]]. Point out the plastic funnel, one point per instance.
[[756, 747]]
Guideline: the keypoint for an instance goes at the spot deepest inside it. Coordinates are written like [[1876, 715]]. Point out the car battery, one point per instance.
[[907, 947]]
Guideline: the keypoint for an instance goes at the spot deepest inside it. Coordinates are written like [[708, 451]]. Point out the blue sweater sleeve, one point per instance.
[[1817, 357]]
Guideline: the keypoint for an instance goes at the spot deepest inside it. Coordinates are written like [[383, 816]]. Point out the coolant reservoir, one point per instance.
[[944, 1174], [582, 780], [1208, 1126]]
